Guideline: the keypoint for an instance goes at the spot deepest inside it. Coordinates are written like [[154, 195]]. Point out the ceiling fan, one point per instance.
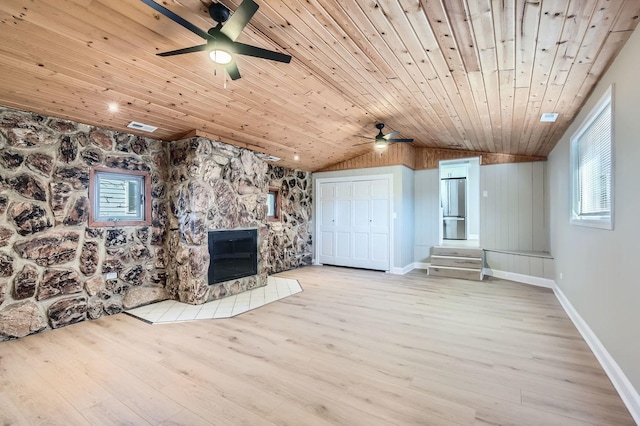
[[221, 39], [381, 140]]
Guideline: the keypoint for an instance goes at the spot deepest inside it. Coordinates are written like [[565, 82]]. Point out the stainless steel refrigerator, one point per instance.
[[454, 208]]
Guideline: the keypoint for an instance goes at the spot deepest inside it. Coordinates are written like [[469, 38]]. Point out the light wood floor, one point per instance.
[[355, 348]]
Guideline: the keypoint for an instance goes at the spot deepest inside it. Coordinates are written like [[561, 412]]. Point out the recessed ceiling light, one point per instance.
[[549, 117], [296, 157], [113, 107]]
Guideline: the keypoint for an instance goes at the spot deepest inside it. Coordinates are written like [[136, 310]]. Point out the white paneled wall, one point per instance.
[[512, 207], [426, 208], [520, 263]]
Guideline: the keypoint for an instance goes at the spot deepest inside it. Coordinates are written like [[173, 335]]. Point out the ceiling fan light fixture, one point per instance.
[[221, 57], [380, 144]]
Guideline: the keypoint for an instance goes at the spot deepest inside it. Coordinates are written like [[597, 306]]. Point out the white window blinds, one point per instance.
[[594, 166]]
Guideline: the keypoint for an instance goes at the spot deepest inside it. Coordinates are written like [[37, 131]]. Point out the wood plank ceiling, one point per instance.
[[461, 74]]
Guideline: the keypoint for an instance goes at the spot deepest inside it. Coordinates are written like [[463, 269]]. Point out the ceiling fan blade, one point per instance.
[[399, 140], [390, 135], [257, 52], [232, 69], [240, 18], [185, 50], [364, 143], [177, 19]]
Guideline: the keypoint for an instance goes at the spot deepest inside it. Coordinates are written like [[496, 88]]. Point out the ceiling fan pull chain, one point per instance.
[[225, 81]]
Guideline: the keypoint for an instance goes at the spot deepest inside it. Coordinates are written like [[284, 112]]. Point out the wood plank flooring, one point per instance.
[[355, 348]]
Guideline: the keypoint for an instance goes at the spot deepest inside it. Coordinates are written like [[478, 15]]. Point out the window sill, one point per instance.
[[592, 223]]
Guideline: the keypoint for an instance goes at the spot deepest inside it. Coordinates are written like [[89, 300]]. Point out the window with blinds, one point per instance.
[[592, 168], [119, 197]]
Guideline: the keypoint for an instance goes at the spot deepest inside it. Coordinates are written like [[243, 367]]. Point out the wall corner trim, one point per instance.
[[401, 271], [521, 278], [421, 265], [628, 393]]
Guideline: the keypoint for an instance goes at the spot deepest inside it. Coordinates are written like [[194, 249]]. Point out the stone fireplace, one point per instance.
[[213, 186]]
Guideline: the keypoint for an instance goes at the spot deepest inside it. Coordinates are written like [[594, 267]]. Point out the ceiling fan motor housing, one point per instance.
[[219, 12]]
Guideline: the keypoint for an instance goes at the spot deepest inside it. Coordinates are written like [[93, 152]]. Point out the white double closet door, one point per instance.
[[354, 224]]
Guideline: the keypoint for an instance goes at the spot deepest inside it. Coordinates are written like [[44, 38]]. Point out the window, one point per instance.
[[592, 168], [273, 204], [119, 197]]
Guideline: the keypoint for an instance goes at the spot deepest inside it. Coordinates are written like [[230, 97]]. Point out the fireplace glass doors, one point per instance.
[[233, 254]]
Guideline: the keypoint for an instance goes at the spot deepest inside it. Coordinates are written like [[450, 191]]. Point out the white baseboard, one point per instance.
[[410, 267], [627, 392], [401, 271], [521, 278]]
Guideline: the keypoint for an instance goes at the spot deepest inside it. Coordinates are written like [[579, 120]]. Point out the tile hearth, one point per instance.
[[171, 311]]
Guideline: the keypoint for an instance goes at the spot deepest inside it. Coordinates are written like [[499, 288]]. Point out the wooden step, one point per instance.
[[457, 251], [453, 272], [456, 261]]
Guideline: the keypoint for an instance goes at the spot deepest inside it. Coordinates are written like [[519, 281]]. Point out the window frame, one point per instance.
[[94, 196], [277, 201], [605, 221]]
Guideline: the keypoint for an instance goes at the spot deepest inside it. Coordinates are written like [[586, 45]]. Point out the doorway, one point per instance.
[[459, 202]]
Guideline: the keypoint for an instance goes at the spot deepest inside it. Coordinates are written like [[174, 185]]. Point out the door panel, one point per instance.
[[361, 246], [361, 215], [380, 215], [343, 190], [343, 246], [327, 191], [327, 244], [327, 213], [361, 190], [343, 213], [380, 247], [354, 224], [380, 189]]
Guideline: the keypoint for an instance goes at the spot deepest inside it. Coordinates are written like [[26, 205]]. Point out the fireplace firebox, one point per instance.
[[233, 254]]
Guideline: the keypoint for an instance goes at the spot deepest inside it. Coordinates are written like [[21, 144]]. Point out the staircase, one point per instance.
[[457, 262]]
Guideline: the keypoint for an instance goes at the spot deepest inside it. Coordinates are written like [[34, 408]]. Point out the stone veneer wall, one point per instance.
[[290, 237], [51, 263]]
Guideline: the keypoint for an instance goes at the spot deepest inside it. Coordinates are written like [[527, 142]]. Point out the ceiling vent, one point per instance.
[[549, 117], [141, 126], [272, 158]]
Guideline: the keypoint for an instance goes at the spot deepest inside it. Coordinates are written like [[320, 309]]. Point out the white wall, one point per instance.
[[407, 223], [426, 203], [598, 266], [473, 196], [402, 193], [513, 212]]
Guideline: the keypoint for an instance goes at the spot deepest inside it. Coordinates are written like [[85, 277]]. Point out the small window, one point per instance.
[[273, 204], [592, 168], [119, 197]]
